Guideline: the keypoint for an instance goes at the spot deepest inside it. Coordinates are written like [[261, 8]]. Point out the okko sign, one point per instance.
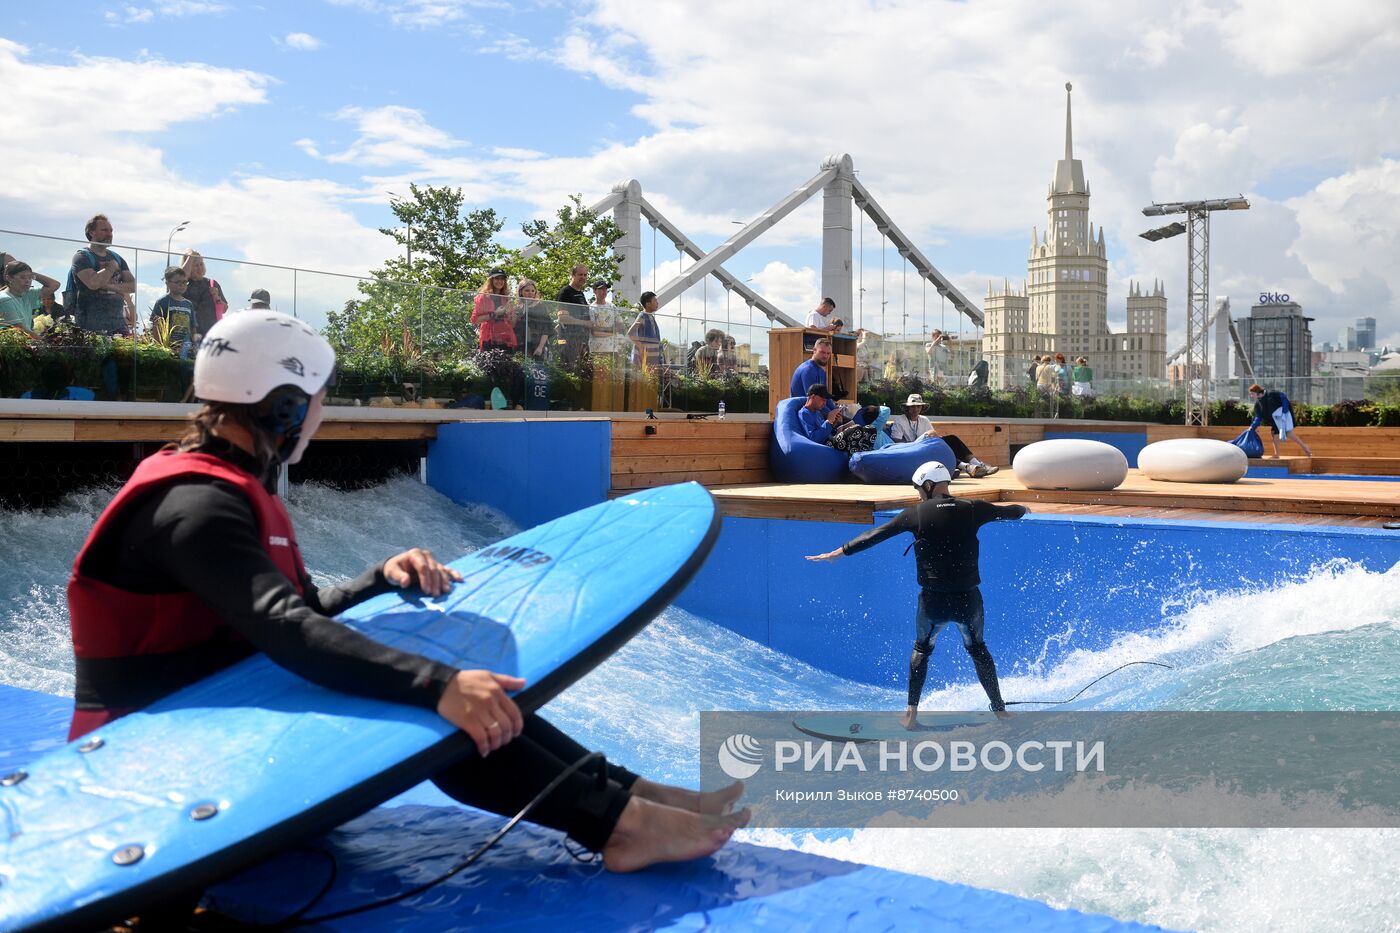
[[1273, 298]]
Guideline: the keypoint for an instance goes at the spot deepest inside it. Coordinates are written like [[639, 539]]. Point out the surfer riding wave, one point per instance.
[[946, 553]]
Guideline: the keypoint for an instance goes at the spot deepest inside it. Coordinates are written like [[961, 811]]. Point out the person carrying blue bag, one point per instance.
[[1249, 442], [1272, 405]]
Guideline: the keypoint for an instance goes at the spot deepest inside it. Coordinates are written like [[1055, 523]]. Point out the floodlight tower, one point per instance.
[[1197, 230]]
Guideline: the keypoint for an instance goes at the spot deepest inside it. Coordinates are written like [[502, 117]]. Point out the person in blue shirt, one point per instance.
[[824, 423], [819, 416], [813, 372]]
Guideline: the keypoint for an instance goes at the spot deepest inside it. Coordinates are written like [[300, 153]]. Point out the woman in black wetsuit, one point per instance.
[[194, 566]]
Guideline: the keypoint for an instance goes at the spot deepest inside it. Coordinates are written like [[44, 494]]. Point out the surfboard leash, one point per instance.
[[1086, 686], [299, 918]]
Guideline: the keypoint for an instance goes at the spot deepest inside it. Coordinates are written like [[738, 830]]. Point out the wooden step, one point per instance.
[[704, 477], [636, 429], [667, 447], [689, 464]]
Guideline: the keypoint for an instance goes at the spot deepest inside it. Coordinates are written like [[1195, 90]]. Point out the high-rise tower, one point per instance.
[[1063, 305]]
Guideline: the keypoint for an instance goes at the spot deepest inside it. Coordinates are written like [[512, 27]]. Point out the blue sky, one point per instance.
[[276, 128]]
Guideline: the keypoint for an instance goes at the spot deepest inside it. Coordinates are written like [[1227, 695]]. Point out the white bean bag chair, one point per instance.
[[1193, 460], [1070, 463]]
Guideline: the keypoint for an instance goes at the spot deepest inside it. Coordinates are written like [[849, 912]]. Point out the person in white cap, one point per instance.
[[946, 556], [194, 566], [912, 425]]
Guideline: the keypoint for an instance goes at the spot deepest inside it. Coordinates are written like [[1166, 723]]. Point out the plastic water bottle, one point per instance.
[[721, 409]]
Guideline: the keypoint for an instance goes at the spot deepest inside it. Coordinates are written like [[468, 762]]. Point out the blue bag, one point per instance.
[[1249, 442]]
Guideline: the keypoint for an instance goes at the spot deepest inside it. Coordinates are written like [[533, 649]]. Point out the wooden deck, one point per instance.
[[1290, 501], [28, 421]]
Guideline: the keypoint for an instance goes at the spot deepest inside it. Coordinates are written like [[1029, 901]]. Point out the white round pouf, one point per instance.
[[1070, 463], [1193, 460]]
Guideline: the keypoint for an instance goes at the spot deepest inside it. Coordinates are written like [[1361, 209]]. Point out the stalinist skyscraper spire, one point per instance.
[[1069, 126], [1064, 305]]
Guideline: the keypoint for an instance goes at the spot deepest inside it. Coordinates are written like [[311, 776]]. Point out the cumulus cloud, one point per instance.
[[122, 172], [954, 115], [301, 42], [392, 135]]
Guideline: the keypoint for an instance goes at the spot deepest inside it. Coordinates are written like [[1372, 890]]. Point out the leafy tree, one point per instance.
[[452, 252], [577, 235], [419, 312]]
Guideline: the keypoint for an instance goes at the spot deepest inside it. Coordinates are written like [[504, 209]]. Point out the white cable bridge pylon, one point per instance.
[[841, 190]]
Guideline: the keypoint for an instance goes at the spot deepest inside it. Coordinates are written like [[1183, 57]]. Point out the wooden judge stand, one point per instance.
[[790, 347]]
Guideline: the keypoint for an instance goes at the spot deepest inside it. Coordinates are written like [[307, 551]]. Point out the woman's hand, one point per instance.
[[829, 555], [418, 567], [476, 703]]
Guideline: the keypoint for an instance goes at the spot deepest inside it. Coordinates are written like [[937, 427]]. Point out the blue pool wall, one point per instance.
[[1052, 584], [530, 470]]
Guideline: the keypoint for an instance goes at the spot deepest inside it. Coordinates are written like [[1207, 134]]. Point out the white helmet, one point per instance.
[[248, 354], [931, 472]]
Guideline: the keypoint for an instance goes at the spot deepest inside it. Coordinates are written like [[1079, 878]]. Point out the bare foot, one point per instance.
[[712, 802], [1003, 714], [910, 719], [648, 833]]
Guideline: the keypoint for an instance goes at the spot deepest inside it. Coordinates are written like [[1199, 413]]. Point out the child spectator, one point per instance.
[[22, 299], [176, 310], [645, 335]]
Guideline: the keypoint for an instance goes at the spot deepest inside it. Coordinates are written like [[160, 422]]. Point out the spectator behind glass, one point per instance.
[[220, 302], [259, 300], [645, 335], [5, 260], [534, 329], [21, 299], [52, 308], [728, 356], [575, 325], [494, 313], [99, 282], [174, 309], [200, 294], [707, 357]]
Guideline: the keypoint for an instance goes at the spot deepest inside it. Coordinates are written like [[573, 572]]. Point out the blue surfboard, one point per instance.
[[218, 775], [885, 727]]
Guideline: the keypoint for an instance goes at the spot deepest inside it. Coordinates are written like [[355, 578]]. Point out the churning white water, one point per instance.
[[1329, 641]]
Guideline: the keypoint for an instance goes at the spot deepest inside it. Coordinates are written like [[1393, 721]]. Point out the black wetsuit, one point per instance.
[[199, 535], [946, 553]]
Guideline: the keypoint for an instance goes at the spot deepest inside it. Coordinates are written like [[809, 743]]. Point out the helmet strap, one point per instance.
[[282, 413]]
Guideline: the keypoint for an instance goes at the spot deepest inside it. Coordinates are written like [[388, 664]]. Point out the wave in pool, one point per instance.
[[1327, 641]]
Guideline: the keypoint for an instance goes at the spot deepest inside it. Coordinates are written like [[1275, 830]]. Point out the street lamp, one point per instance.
[[1197, 230], [176, 229], [397, 199]]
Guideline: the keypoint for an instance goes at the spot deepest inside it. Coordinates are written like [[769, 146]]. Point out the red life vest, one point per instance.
[[109, 622]]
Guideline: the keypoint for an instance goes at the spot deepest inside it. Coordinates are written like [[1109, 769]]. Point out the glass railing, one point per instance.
[[891, 358], [403, 344], [399, 344]]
